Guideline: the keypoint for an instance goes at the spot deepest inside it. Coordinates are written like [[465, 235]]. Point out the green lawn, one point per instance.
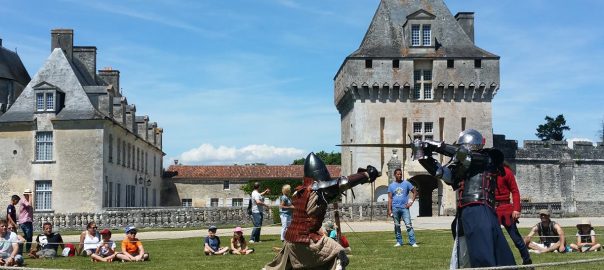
[[371, 250]]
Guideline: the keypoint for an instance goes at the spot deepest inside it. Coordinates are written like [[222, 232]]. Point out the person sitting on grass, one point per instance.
[[330, 230], [550, 233], [238, 245], [9, 247], [47, 243], [586, 238], [132, 248], [212, 243], [105, 251]]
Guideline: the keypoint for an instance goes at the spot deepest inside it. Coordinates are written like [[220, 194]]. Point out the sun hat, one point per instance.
[[544, 212], [584, 222], [130, 229], [27, 191], [238, 229]]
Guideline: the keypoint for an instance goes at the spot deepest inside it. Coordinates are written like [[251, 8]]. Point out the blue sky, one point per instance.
[[242, 81]]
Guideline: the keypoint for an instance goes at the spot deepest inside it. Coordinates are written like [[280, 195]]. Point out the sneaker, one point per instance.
[[252, 241], [397, 245], [414, 245]]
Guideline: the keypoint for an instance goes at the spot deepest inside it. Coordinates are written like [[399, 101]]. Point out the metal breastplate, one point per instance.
[[478, 189]]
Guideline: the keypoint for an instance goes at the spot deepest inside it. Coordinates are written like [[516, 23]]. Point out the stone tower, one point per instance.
[[417, 74]]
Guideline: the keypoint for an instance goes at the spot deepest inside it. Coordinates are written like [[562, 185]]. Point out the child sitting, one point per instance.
[[212, 243], [331, 231], [238, 245], [132, 248], [105, 251], [586, 238]]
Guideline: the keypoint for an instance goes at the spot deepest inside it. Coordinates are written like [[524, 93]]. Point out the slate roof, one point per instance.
[[57, 71], [242, 172], [384, 38], [12, 68]]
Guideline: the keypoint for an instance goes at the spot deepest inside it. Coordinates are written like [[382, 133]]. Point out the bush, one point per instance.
[[276, 217]]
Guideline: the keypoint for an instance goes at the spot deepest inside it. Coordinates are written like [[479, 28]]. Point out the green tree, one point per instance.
[[553, 129], [274, 185], [328, 158]]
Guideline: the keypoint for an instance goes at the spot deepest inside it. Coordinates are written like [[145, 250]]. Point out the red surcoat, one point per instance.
[[506, 185]]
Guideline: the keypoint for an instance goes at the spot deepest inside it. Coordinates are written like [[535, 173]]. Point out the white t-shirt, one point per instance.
[[6, 242], [256, 196]]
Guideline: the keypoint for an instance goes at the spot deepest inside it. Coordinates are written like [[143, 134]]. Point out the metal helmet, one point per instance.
[[315, 168], [471, 138]]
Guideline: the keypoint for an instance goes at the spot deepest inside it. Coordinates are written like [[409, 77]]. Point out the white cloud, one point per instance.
[[208, 154]]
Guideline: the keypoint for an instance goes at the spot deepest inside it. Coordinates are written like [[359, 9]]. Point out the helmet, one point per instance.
[[315, 168], [471, 139]]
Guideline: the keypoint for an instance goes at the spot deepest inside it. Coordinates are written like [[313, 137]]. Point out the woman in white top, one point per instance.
[[89, 239]]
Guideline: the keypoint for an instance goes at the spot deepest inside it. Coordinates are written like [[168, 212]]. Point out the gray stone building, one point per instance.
[[220, 186], [550, 174], [13, 78], [73, 138], [416, 74]]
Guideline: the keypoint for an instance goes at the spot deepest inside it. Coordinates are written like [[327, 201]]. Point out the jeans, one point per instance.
[[518, 242], [28, 233], [286, 219], [397, 214], [257, 220]]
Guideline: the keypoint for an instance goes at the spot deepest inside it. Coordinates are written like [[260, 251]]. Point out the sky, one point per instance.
[[240, 81]]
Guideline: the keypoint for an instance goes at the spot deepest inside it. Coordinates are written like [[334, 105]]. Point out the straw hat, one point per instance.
[[27, 191], [584, 222]]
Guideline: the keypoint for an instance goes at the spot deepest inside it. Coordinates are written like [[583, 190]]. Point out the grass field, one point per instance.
[[371, 250]]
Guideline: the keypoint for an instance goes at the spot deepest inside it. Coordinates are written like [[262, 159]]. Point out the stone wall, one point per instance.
[[549, 171], [187, 217]]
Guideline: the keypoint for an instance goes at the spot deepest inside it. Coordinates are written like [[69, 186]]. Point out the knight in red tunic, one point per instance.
[[508, 212], [305, 247]]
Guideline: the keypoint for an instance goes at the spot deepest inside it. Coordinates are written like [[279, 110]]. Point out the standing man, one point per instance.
[[26, 217], [398, 207], [11, 211], [257, 211], [508, 212]]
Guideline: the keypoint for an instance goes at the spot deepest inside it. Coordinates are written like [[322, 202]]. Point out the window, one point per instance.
[[142, 196], [421, 35], [237, 202], [187, 202], [105, 192], [422, 88], [118, 194], [213, 202], [146, 163], [130, 195], [45, 101], [128, 164], [226, 185], [450, 63], [138, 159], [133, 156], [110, 148], [110, 201], [423, 130], [395, 63], [44, 146], [119, 151], [154, 165], [43, 199], [154, 197], [368, 63], [477, 63], [123, 153]]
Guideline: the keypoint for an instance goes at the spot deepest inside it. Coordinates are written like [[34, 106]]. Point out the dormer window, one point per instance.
[[48, 97], [420, 23]]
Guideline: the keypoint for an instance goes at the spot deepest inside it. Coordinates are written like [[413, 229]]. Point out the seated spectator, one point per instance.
[[47, 243], [132, 248], [330, 230], [212, 243], [550, 234], [586, 238], [9, 247], [20, 239], [105, 251], [89, 239], [238, 245]]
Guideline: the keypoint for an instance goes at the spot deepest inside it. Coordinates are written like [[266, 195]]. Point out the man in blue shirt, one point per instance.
[[398, 206]]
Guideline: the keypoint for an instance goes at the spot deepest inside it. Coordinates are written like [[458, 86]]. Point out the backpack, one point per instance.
[[249, 207], [69, 250]]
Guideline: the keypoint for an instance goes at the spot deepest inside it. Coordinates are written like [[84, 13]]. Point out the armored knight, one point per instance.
[[472, 172], [305, 247]]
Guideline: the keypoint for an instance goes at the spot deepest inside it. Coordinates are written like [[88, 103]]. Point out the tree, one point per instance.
[[552, 129], [328, 158]]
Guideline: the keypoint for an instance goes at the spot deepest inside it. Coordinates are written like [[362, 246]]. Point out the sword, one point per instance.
[[390, 145]]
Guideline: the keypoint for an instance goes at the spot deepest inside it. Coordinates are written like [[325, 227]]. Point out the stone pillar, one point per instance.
[[567, 184], [393, 164]]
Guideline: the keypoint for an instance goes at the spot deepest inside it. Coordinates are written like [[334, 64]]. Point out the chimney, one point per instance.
[[142, 126], [84, 58], [131, 118], [110, 76], [62, 38], [151, 132], [158, 141], [466, 21]]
